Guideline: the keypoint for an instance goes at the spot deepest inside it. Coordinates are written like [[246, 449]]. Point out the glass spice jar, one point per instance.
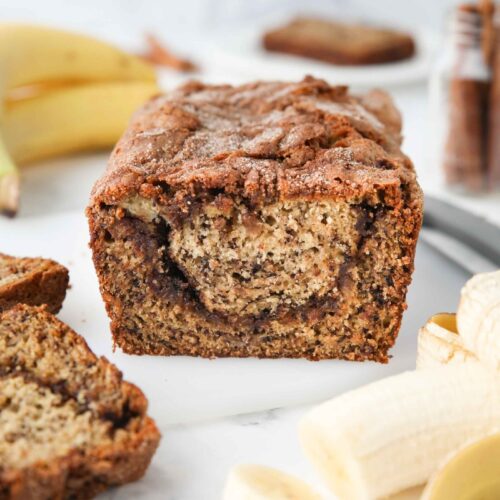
[[459, 95], [493, 166]]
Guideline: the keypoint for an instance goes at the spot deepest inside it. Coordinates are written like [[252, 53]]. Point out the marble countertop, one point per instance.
[[199, 456]]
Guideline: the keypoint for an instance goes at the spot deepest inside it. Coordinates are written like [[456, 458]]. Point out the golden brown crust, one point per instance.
[[339, 43], [254, 146], [32, 281], [80, 473], [265, 141]]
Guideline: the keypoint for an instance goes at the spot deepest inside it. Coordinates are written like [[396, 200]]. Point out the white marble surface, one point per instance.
[[197, 457], [193, 459]]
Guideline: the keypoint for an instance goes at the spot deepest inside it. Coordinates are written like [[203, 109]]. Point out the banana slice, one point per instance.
[[256, 482], [391, 435], [478, 317], [439, 343], [471, 473]]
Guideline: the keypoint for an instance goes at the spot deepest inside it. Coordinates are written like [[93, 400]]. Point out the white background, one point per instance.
[[182, 22]]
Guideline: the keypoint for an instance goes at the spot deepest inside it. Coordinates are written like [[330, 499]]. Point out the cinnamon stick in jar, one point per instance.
[[466, 144], [494, 113], [465, 158]]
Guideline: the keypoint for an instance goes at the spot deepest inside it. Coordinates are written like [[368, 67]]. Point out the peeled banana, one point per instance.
[[478, 317], [71, 119], [256, 482], [384, 438], [392, 434], [36, 55], [440, 344], [387, 438], [471, 473]]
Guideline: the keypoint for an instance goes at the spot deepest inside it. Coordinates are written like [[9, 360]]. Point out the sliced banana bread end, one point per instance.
[[70, 427], [33, 281]]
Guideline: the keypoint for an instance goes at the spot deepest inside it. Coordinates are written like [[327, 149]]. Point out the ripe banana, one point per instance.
[[32, 55], [440, 344], [478, 317], [392, 434], [256, 482], [472, 472], [71, 119], [9, 182]]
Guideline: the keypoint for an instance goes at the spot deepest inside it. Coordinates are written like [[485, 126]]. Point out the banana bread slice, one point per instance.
[[339, 43], [69, 426], [271, 220], [33, 281]]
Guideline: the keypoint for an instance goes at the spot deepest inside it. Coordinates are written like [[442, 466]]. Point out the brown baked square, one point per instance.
[[339, 43]]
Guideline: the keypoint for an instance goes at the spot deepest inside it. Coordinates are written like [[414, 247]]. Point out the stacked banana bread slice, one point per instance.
[[70, 427]]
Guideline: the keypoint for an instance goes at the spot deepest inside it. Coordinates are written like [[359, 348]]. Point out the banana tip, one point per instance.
[[9, 194]]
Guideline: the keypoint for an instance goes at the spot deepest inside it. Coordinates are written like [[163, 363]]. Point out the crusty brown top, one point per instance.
[[264, 140]]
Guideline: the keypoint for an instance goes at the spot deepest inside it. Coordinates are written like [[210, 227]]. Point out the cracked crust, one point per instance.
[[32, 281], [211, 163], [98, 434], [264, 141]]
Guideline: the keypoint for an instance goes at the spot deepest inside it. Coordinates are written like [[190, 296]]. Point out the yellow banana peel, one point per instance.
[[73, 119], [39, 56]]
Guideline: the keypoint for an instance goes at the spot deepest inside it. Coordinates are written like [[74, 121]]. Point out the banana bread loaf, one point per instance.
[[270, 220], [69, 426], [33, 281]]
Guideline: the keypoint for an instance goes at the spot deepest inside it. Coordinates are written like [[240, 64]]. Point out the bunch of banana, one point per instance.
[[81, 95], [393, 434]]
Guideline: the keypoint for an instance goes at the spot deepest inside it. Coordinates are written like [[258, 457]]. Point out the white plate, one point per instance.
[[241, 51], [182, 389]]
